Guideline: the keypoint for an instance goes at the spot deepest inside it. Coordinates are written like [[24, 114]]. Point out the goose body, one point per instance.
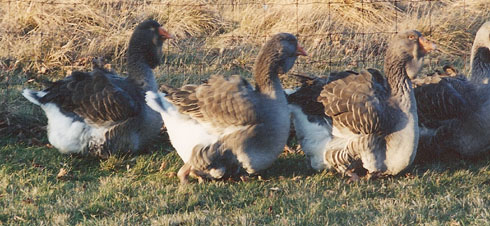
[[225, 124], [454, 116], [101, 113], [371, 120], [454, 111]]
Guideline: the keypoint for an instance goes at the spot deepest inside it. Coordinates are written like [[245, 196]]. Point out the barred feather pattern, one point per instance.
[[357, 102], [92, 96], [220, 101], [370, 148], [214, 161]]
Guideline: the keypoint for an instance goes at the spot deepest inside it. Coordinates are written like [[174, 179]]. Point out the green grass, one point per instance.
[[130, 190], [133, 190]]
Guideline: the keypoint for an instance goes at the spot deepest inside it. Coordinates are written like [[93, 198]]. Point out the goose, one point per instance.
[[363, 118], [455, 112], [452, 117], [224, 125], [101, 113]]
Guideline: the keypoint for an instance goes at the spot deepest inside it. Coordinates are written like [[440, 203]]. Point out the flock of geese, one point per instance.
[[346, 122]]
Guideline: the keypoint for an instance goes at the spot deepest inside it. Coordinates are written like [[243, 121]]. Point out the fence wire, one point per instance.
[[221, 36]]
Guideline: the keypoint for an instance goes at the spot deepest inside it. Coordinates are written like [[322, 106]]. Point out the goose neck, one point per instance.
[[480, 64], [266, 76], [141, 74], [397, 78]]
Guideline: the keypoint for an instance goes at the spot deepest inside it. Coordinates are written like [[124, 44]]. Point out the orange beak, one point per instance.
[[426, 45], [300, 51], [164, 33]]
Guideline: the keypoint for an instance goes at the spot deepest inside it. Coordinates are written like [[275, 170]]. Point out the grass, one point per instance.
[[138, 190], [51, 39]]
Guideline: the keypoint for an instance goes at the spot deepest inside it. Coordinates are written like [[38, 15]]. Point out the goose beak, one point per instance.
[[300, 51], [162, 32], [426, 45]]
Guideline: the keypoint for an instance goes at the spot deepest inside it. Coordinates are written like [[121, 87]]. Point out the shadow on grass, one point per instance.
[[289, 166], [19, 154], [451, 165]]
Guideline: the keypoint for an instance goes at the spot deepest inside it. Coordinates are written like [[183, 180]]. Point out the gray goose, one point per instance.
[[225, 124], [455, 112], [367, 119], [99, 112]]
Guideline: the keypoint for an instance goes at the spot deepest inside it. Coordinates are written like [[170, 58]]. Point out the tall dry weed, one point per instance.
[[44, 37], [54, 37]]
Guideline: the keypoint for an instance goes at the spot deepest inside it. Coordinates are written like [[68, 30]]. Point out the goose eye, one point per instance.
[[411, 37]]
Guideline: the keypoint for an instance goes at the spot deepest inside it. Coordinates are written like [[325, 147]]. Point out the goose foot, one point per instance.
[[184, 172], [288, 150], [353, 177], [244, 178], [373, 175], [195, 174]]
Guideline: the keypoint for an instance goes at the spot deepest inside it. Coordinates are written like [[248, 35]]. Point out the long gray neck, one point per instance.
[[141, 74], [480, 65], [398, 80], [266, 77]]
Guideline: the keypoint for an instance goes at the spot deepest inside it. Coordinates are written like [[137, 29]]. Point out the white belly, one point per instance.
[[69, 135], [312, 136], [185, 134]]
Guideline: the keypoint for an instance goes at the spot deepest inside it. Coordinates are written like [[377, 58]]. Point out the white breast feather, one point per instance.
[[401, 147]]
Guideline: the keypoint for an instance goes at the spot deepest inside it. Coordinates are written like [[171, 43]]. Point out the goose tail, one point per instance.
[[155, 101], [33, 96]]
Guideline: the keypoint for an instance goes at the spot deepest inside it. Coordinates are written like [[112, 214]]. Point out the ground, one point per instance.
[[40, 186]]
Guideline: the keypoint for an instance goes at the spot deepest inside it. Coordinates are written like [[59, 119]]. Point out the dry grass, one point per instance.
[[45, 38], [58, 37]]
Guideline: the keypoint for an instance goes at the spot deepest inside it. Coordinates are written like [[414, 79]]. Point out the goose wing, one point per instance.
[[221, 102], [443, 98], [358, 102], [93, 96], [306, 97]]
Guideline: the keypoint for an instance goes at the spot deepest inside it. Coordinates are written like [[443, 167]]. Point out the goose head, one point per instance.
[[146, 42], [408, 48], [280, 52]]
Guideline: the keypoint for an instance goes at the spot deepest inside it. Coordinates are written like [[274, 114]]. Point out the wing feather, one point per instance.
[[221, 102], [445, 98], [358, 102], [92, 96]]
